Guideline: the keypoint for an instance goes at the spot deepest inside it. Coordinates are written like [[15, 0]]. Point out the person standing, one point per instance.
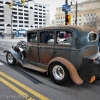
[[3, 34]]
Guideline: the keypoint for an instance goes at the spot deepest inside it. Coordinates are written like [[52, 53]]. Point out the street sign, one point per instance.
[[66, 7]]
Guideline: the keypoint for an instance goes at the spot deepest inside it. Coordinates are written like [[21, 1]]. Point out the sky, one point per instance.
[[53, 5]]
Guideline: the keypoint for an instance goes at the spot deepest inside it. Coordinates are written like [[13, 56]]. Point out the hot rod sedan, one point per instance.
[[64, 53]]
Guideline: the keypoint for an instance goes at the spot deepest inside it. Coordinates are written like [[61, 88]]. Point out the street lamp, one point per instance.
[[76, 12]]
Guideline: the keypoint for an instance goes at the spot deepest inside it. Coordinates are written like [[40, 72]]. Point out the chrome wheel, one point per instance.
[[10, 59], [58, 72]]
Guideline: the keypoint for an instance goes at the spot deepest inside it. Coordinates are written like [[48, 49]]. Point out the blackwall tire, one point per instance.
[[10, 59], [59, 74]]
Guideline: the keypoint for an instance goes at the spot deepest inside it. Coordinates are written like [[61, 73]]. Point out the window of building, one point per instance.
[[43, 6], [26, 22], [2, 11], [1, 24], [26, 18], [1, 2], [1, 20], [36, 12], [36, 19], [40, 19], [20, 17], [40, 16], [25, 14], [40, 13], [14, 12], [14, 21], [40, 23], [35, 22], [25, 10], [35, 15], [26, 25], [20, 21], [14, 9], [20, 13], [20, 10], [20, 25], [40, 6], [84, 15], [1, 6], [35, 8], [14, 25], [40, 9], [25, 7], [95, 14]]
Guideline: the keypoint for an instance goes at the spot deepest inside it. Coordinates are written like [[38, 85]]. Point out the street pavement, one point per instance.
[[15, 39]]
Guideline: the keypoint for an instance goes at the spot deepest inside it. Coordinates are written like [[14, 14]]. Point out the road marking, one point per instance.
[[20, 92], [1, 63], [24, 87]]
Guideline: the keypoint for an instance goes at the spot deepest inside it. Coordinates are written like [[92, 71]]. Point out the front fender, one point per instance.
[[14, 53], [72, 71]]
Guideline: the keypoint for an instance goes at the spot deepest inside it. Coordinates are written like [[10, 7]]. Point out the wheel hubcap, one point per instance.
[[58, 72], [10, 58]]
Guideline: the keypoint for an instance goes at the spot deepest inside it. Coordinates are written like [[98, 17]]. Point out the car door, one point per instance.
[[46, 46], [32, 48], [64, 43]]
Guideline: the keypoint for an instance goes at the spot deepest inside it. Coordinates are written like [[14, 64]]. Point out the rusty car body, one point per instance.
[[49, 50]]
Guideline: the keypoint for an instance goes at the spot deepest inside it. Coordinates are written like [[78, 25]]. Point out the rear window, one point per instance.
[[92, 36]]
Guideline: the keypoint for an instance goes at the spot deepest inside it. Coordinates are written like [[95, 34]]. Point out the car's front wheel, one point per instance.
[[59, 73], [10, 59]]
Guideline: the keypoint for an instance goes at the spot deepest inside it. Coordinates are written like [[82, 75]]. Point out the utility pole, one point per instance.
[[11, 27], [12, 36], [66, 2], [76, 14]]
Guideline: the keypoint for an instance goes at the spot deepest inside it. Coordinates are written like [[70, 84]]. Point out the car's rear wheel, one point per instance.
[[59, 73], [10, 59]]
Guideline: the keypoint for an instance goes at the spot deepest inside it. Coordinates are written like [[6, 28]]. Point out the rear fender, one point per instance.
[[72, 71]]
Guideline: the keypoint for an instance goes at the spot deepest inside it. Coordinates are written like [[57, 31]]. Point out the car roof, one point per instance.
[[71, 27]]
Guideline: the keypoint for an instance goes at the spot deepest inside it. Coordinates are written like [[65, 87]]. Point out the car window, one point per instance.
[[32, 37], [92, 37], [64, 37], [47, 37]]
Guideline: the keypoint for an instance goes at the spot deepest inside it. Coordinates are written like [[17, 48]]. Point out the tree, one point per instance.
[[93, 21]]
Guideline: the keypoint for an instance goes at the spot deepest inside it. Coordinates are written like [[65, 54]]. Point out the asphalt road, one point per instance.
[[19, 83]]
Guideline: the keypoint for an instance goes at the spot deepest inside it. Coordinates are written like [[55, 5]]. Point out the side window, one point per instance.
[[32, 37], [64, 37], [47, 37]]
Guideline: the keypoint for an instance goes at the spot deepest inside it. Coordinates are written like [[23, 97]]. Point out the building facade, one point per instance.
[[31, 15], [88, 14]]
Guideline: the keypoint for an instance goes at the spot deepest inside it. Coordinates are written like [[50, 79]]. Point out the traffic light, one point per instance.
[[22, 1], [10, 5], [68, 19]]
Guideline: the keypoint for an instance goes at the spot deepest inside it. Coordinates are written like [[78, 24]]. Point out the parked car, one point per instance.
[[63, 57]]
